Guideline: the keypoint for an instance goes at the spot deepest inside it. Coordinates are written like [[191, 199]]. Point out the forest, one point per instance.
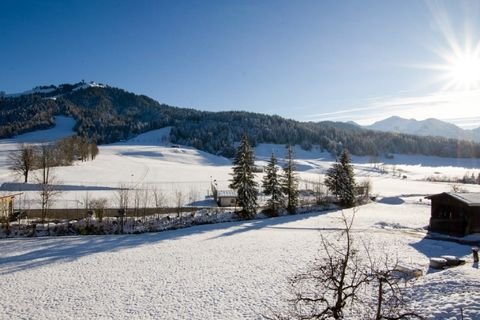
[[106, 114]]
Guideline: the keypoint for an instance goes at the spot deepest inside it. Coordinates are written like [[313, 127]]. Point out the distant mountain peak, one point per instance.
[[427, 127]]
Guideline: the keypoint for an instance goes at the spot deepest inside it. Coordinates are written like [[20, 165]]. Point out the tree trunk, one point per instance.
[[379, 301]]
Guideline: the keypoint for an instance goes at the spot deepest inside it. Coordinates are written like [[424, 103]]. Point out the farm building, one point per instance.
[[224, 198], [455, 213]]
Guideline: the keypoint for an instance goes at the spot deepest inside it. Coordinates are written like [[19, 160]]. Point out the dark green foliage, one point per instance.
[[24, 114], [289, 182], [243, 180], [340, 180], [106, 114], [271, 187]]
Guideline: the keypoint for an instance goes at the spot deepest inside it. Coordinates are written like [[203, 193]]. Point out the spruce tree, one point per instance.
[[340, 180], [271, 187], [243, 180], [289, 182]]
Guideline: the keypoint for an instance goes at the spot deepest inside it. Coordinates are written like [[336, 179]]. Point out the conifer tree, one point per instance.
[[243, 180], [271, 187], [290, 182], [340, 180]]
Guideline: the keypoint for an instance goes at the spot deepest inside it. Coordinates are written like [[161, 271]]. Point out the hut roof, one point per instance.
[[226, 193], [471, 199]]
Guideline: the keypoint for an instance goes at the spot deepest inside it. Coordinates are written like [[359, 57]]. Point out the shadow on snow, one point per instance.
[[23, 254]]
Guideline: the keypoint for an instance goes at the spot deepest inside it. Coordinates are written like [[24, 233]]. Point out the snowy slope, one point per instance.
[[63, 128]]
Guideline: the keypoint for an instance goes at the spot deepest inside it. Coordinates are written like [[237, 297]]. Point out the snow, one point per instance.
[[88, 85], [151, 161], [221, 271], [63, 128], [234, 270]]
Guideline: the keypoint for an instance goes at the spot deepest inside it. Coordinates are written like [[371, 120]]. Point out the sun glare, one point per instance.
[[464, 71]]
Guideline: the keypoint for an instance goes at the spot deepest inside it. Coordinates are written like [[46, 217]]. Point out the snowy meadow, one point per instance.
[[234, 270]]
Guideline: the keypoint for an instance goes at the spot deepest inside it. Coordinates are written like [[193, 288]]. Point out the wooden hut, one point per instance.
[[455, 213], [224, 198]]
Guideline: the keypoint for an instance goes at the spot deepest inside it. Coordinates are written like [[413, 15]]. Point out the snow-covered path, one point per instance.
[[222, 271]]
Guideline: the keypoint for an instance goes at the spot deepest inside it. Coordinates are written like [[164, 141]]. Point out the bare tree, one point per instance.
[[336, 281], [320, 192], [389, 301], [137, 198], [144, 199], [159, 198], [366, 187], [324, 291], [22, 161], [123, 196], [48, 184], [86, 201], [98, 205], [179, 199]]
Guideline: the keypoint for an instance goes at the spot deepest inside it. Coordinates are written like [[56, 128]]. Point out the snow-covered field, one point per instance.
[[223, 271], [149, 161]]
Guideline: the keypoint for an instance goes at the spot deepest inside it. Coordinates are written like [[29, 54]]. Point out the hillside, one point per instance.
[[108, 114]]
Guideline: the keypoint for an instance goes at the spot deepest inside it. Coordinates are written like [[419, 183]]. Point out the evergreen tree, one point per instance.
[[340, 180], [290, 182], [244, 180], [271, 187]]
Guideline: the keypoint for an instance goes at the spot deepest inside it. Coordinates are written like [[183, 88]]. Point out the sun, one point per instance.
[[463, 70]]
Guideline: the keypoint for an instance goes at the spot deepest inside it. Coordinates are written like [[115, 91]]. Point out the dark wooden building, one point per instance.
[[455, 213]]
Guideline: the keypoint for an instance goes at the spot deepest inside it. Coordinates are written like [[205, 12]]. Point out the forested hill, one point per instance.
[[108, 114]]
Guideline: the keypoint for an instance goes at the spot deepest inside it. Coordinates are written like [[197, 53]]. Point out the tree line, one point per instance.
[[64, 152], [282, 187]]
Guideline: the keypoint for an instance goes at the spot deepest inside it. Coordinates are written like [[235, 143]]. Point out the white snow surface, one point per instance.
[[223, 271]]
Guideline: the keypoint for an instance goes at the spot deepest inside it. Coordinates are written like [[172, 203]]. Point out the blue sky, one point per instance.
[[307, 60]]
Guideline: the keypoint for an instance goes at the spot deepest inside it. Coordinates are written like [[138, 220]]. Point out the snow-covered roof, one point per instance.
[[226, 193], [471, 199]]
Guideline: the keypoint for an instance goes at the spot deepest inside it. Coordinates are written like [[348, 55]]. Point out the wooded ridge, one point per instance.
[[106, 114]]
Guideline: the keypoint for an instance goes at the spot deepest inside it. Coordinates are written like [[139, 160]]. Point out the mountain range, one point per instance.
[[428, 127], [107, 114]]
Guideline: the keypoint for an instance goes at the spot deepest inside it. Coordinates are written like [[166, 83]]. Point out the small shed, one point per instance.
[[455, 213], [226, 198]]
